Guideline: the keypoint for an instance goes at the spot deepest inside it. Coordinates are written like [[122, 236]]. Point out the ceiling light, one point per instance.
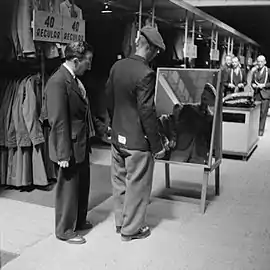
[[200, 34], [106, 9]]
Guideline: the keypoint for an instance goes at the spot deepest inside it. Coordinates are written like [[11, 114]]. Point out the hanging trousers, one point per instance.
[[131, 176], [71, 202]]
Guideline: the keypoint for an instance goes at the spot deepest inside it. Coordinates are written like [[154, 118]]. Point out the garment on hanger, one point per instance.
[[24, 158], [128, 45], [72, 11], [66, 9], [179, 46], [24, 17]]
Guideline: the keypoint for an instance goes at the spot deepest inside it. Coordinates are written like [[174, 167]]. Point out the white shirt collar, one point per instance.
[[70, 70]]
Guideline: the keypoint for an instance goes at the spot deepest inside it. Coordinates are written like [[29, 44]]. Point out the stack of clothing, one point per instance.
[[242, 100]]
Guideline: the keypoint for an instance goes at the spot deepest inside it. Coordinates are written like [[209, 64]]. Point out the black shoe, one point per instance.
[[76, 240], [85, 226], [118, 229], [141, 234]]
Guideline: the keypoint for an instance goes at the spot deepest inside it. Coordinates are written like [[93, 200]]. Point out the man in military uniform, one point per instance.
[[261, 85], [135, 138]]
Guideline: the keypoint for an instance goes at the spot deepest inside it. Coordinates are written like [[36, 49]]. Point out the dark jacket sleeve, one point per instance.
[[58, 116], [100, 125], [147, 112], [225, 77], [267, 85], [110, 95]]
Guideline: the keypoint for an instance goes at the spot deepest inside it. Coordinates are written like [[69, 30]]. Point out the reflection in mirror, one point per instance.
[[185, 102]]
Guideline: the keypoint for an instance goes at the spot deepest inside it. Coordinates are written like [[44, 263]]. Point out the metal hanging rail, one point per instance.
[[213, 20]]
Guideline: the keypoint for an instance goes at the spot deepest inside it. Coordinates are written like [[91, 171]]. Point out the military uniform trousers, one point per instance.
[[71, 202], [132, 177]]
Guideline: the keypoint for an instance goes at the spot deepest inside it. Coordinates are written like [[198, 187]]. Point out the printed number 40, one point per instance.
[[49, 21], [76, 26]]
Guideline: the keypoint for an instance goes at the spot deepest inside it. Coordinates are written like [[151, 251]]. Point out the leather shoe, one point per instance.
[[77, 240], [85, 226], [141, 234]]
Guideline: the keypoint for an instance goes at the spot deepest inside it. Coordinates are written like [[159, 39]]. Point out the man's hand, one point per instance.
[[231, 85], [261, 85], [240, 85], [109, 133], [63, 164], [172, 144], [254, 85], [166, 144], [160, 154]]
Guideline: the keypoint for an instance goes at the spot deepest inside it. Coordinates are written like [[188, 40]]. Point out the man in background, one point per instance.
[[225, 70], [135, 138], [236, 78], [261, 85]]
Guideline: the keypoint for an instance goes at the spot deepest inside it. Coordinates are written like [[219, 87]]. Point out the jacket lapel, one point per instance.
[[260, 75], [73, 84], [75, 88]]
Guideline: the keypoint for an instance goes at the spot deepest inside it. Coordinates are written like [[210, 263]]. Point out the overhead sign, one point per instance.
[[50, 27], [73, 30], [214, 55], [47, 27]]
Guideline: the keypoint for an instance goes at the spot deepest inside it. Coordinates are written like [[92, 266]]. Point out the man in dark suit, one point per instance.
[[236, 78], [261, 85], [71, 128], [135, 138], [225, 70]]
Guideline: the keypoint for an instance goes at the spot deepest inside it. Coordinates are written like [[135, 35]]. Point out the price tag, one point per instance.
[[194, 51], [73, 30], [190, 50], [47, 26], [214, 55], [242, 59]]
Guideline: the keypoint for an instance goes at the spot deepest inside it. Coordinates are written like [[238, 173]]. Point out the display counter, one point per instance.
[[240, 130]]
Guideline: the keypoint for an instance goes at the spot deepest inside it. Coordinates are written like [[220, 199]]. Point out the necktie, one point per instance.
[[81, 88]]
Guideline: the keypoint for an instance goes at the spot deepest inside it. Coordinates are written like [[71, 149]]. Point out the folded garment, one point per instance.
[[243, 102], [240, 95]]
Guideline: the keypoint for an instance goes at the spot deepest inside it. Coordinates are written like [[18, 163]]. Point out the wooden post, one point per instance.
[[167, 175], [140, 15], [185, 42], [42, 59], [153, 12], [228, 45], [232, 45], [204, 190], [217, 178], [212, 45]]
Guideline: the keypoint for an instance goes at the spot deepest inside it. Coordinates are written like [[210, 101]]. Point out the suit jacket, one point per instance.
[[69, 118], [235, 79], [130, 90], [258, 77]]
